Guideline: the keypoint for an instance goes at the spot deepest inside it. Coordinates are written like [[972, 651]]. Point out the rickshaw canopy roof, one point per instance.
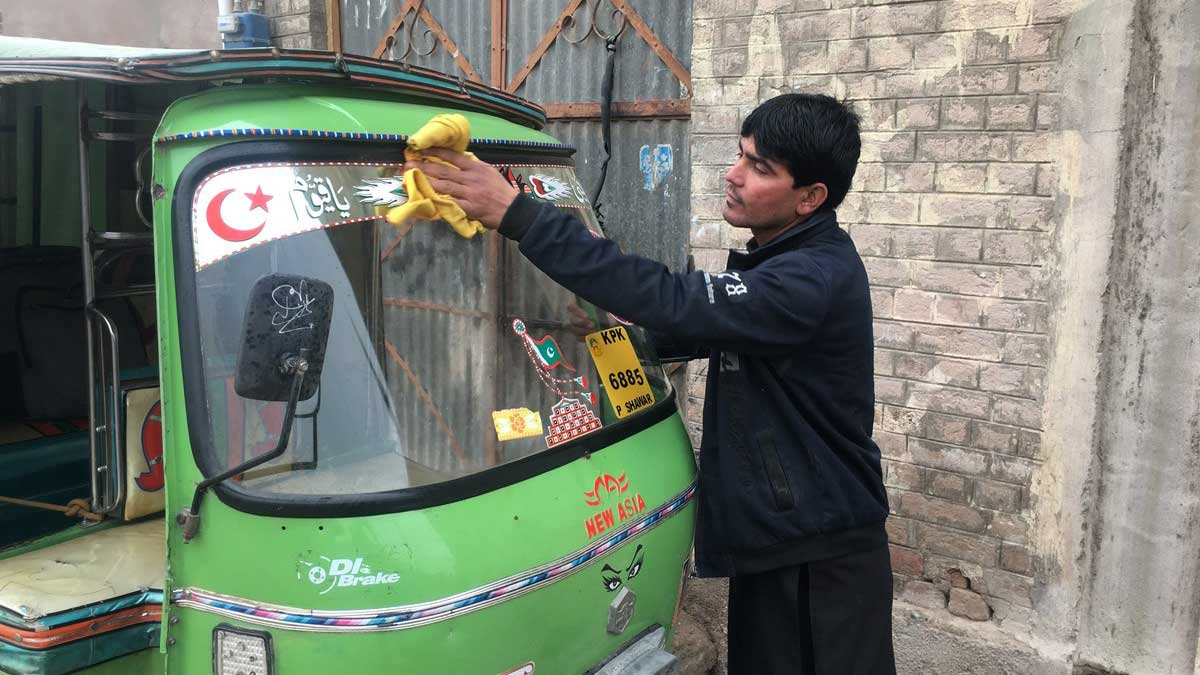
[[32, 59]]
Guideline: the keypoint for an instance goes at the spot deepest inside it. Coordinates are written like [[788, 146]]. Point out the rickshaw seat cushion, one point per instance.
[[95, 568], [103, 588]]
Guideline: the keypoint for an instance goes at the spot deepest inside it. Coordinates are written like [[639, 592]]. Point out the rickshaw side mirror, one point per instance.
[[280, 357], [287, 317]]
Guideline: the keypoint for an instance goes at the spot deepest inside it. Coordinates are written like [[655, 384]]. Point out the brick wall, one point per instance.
[[298, 24], [951, 211]]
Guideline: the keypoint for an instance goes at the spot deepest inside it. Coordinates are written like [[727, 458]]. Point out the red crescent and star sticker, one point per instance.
[[216, 222]]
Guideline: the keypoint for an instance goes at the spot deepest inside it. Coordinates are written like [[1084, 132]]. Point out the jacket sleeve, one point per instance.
[[775, 306], [671, 349]]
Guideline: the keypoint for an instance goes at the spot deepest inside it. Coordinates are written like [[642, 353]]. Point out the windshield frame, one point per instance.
[[191, 359]]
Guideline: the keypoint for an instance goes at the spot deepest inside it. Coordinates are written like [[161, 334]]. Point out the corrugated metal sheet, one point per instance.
[[468, 361], [467, 22], [573, 72], [651, 222]]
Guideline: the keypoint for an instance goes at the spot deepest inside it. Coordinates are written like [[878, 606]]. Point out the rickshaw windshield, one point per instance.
[[446, 356]]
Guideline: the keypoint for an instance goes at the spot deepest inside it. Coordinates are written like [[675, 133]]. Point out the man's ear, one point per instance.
[[811, 199]]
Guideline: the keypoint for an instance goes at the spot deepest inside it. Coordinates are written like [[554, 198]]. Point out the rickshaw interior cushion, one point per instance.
[[100, 594], [21, 268], [52, 346]]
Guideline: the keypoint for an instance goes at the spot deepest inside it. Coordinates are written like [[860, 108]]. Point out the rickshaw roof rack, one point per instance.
[[32, 59]]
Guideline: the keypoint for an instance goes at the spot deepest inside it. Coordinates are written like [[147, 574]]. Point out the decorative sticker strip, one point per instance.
[[302, 133], [620, 371], [383, 192], [343, 136], [409, 616], [241, 207], [555, 184], [514, 423], [545, 356], [570, 419]]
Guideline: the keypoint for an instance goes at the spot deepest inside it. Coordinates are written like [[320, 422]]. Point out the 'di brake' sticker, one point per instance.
[[514, 423], [620, 371]]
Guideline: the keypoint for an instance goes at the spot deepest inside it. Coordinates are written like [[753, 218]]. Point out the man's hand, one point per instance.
[[477, 186], [579, 322]]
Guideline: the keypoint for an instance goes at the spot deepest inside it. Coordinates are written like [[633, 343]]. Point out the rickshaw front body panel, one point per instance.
[[470, 571]]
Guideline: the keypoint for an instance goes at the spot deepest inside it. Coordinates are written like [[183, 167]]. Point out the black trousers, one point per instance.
[[828, 617]]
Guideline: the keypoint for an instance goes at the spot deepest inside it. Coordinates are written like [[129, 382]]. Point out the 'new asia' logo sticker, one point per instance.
[[624, 508]]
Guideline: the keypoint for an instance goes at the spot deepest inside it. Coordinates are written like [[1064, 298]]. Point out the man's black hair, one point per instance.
[[813, 135]]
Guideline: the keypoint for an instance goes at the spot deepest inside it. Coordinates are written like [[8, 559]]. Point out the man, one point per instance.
[[792, 504]]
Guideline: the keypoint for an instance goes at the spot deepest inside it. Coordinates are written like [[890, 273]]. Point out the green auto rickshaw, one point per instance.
[[248, 426]]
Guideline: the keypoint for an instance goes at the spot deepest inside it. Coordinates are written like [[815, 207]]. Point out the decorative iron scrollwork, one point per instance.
[[409, 26], [617, 19]]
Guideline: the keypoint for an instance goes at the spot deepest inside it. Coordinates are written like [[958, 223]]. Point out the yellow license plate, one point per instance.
[[620, 371]]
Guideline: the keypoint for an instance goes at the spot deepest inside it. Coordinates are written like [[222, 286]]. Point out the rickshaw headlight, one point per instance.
[[238, 651]]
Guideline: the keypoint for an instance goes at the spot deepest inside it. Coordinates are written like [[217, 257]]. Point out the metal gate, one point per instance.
[[553, 52]]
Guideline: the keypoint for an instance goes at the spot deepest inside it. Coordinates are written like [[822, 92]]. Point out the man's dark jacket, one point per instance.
[[788, 470]]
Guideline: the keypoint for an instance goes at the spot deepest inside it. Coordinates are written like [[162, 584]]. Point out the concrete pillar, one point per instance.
[[1124, 501]]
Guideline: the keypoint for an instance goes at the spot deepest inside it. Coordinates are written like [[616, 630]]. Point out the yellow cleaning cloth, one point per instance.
[[443, 131]]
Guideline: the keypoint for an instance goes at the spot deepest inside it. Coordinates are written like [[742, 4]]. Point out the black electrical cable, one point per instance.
[[606, 91]]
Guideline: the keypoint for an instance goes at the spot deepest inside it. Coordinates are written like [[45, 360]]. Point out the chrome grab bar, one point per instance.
[[89, 293], [114, 459], [106, 425]]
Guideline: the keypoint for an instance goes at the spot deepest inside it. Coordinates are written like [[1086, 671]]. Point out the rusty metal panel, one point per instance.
[[466, 22], [645, 210], [573, 72]]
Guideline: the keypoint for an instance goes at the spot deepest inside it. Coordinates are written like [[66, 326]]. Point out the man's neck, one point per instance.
[[765, 235]]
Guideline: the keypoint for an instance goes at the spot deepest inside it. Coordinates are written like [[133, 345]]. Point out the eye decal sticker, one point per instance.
[[612, 577], [636, 565]]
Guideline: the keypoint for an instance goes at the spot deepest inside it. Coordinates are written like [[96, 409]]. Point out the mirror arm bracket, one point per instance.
[[297, 367]]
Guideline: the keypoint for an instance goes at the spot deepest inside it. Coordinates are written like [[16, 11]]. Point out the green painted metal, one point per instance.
[[437, 552], [315, 107]]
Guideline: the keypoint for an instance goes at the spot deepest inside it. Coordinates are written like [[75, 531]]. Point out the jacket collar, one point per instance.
[[798, 236]]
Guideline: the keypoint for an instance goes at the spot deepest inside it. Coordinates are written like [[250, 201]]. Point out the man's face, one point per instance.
[[759, 193]]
